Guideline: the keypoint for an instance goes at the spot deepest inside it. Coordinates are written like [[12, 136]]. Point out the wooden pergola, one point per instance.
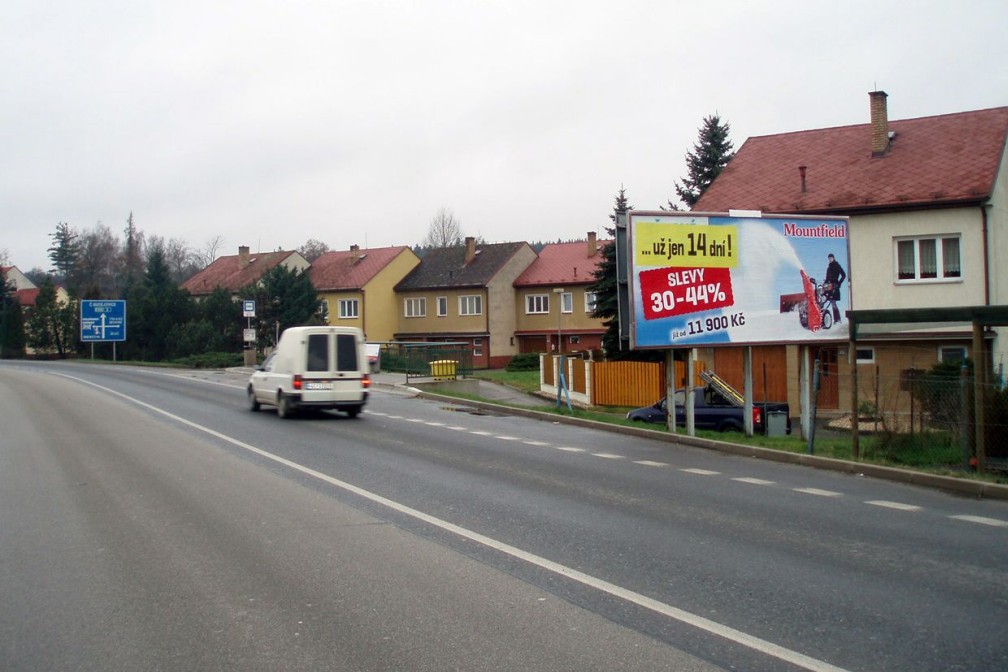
[[980, 317]]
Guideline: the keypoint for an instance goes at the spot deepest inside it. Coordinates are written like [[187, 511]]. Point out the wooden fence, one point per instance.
[[621, 383]]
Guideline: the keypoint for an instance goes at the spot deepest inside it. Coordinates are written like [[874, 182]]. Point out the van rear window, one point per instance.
[[318, 352], [346, 352]]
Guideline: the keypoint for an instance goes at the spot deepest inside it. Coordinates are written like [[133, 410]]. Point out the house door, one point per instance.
[[829, 386]]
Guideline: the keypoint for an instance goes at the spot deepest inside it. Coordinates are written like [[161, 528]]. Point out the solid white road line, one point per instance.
[[694, 620]]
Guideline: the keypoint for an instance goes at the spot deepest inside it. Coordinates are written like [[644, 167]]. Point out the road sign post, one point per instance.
[[103, 321]]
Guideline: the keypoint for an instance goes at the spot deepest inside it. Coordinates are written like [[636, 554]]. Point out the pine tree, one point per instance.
[[710, 154], [606, 294], [65, 254]]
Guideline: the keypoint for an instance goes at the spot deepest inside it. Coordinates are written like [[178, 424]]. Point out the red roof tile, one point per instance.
[[26, 297], [952, 158], [228, 273], [334, 271], [563, 263]]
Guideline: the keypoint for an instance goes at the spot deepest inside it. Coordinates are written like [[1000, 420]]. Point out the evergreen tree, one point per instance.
[[12, 339], [154, 307], [65, 253], [52, 326], [132, 255], [606, 294], [710, 154], [284, 298]]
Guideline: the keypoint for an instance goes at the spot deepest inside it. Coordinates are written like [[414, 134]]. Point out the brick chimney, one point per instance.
[[592, 243], [470, 254], [879, 123], [354, 253], [243, 256]]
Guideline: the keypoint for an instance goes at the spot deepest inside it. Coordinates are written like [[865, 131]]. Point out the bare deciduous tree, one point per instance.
[[444, 231], [98, 265], [210, 250], [313, 249]]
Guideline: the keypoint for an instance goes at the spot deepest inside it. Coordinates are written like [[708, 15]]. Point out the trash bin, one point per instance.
[[776, 423], [443, 369]]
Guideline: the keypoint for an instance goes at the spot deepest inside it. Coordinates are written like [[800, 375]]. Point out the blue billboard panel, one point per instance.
[[700, 279], [102, 321]]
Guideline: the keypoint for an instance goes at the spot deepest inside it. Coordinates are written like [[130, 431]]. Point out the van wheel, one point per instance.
[[285, 408], [252, 403], [353, 411]]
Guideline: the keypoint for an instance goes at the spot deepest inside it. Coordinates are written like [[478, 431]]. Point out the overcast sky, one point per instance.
[[354, 122]]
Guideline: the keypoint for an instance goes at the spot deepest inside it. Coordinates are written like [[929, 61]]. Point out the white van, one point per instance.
[[313, 368]]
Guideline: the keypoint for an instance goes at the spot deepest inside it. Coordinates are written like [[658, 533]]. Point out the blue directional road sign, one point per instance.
[[102, 321]]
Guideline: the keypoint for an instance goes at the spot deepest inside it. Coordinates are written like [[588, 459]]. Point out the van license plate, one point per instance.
[[318, 386]]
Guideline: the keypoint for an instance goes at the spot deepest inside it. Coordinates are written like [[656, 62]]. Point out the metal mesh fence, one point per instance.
[[427, 360], [930, 419]]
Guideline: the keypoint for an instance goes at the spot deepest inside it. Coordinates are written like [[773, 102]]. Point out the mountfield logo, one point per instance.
[[820, 231]]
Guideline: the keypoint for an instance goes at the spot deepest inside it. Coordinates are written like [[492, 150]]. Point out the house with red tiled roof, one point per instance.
[[927, 200], [232, 272], [27, 291], [553, 302], [358, 287], [465, 294]]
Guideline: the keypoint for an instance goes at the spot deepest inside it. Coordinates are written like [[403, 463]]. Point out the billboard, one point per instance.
[[700, 279]]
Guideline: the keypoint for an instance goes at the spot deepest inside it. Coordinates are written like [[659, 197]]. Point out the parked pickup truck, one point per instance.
[[712, 411]]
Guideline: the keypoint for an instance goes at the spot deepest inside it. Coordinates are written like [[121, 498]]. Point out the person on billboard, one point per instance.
[[835, 276]]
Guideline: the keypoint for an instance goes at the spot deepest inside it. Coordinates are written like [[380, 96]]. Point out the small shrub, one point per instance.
[[528, 361]]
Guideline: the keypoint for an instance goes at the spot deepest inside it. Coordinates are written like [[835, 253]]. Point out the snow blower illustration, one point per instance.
[[811, 304], [812, 312]]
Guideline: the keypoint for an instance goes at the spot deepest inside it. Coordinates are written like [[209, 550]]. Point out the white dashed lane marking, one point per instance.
[[754, 481], [818, 492], [897, 506], [993, 522]]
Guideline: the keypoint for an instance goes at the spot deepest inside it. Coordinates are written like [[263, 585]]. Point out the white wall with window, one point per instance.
[[938, 252], [928, 259], [471, 304], [349, 309]]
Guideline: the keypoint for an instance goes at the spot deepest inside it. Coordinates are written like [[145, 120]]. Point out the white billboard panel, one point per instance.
[[700, 279]]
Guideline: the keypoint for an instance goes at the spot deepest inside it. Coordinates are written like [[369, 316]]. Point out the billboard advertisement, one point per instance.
[[699, 279]]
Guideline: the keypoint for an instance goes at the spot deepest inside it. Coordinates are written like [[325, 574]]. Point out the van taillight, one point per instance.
[[366, 381], [297, 382]]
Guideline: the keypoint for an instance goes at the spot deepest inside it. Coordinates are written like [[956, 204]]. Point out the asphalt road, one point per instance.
[[149, 521]]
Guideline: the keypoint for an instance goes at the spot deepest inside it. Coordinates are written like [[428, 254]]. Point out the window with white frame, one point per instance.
[[591, 300], [865, 355], [929, 259], [323, 311], [536, 304], [442, 306], [471, 304], [416, 307], [477, 347], [348, 309], [566, 302]]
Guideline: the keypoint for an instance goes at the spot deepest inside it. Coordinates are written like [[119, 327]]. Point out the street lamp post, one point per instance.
[[559, 291]]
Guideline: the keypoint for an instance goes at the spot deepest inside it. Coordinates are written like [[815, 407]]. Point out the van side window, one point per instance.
[[346, 352], [318, 352]]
